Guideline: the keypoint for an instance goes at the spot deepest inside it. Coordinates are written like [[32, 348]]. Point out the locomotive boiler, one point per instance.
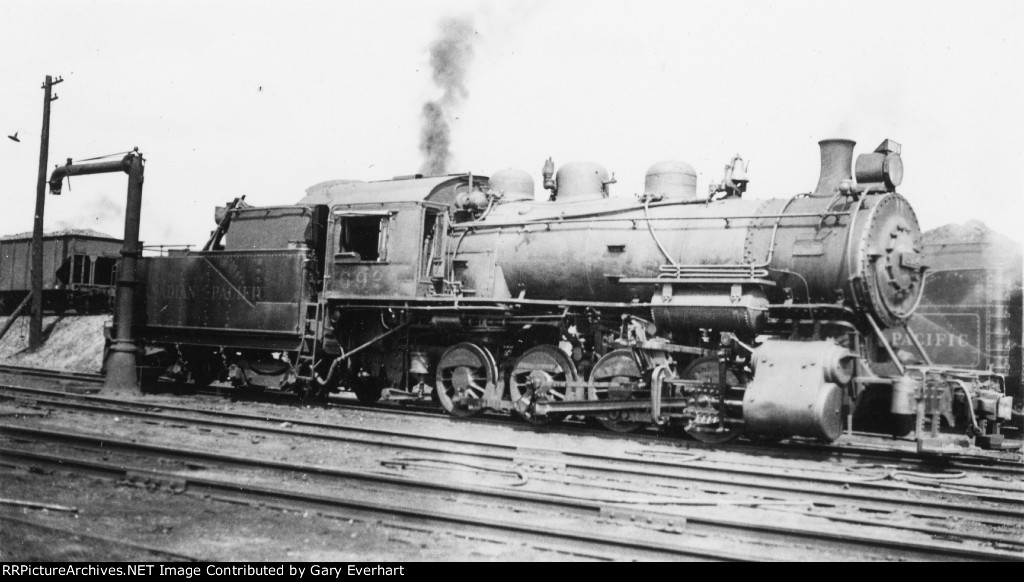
[[721, 315]]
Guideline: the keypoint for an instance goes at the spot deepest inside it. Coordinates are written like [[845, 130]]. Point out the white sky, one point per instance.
[[621, 83]]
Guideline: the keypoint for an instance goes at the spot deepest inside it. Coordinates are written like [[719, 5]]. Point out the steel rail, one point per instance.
[[916, 550], [790, 449], [228, 487], [89, 377], [237, 495], [63, 400], [771, 482]]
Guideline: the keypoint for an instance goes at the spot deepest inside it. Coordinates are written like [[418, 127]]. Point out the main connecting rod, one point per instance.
[[120, 364]]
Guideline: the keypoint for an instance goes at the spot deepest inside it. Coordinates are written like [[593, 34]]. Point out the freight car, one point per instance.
[[78, 270], [971, 311], [720, 316]]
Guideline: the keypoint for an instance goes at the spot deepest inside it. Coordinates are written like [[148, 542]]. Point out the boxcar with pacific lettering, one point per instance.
[[970, 313]]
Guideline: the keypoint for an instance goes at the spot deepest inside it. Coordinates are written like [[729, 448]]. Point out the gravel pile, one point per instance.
[[73, 342]]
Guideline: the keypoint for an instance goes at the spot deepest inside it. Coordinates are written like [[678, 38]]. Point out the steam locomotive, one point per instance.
[[720, 315]]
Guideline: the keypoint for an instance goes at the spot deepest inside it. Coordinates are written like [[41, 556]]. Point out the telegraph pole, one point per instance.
[[35, 328]]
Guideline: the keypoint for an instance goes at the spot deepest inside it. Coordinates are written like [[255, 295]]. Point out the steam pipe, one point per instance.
[[121, 363], [334, 369]]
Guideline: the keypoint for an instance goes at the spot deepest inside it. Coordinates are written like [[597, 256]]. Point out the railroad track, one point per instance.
[[85, 377], [417, 442], [820, 490], [565, 538], [658, 535], [880, 451]]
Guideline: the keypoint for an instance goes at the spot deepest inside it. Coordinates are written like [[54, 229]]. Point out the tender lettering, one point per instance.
[[211, 293]]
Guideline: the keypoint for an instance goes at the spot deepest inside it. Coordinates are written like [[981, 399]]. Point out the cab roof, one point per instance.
[[383, 192]]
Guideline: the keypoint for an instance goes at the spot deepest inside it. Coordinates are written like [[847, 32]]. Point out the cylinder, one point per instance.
[[791, 394], [737, 311]]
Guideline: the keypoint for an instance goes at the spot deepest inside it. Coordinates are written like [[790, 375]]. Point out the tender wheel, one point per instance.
[[616, 375], [532, 376], [706, 370], [192, 369], [463, 375], [204, 370], [368, 389]]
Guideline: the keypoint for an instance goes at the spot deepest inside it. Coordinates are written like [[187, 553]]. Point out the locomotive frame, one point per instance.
[[719, 316]]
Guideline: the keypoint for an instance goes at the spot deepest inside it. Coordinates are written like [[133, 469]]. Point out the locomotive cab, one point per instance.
[[387, 239]]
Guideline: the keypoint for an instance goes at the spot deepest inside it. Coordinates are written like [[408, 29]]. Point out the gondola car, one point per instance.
[[79, 268]]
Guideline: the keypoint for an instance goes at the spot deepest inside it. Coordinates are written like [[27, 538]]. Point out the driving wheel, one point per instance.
[[616, 375], [534, 377], [463, 375]]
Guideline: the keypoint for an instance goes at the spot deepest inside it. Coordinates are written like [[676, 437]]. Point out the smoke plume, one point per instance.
[[450, 57]]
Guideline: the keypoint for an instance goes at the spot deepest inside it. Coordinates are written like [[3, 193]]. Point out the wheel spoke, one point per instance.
[[615, 369], [537, 367], [464, 373]]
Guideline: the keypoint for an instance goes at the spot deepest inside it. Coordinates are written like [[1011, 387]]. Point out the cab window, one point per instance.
[[363, 238]]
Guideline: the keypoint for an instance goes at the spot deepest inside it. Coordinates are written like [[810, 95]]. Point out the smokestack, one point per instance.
[[836, 161]]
